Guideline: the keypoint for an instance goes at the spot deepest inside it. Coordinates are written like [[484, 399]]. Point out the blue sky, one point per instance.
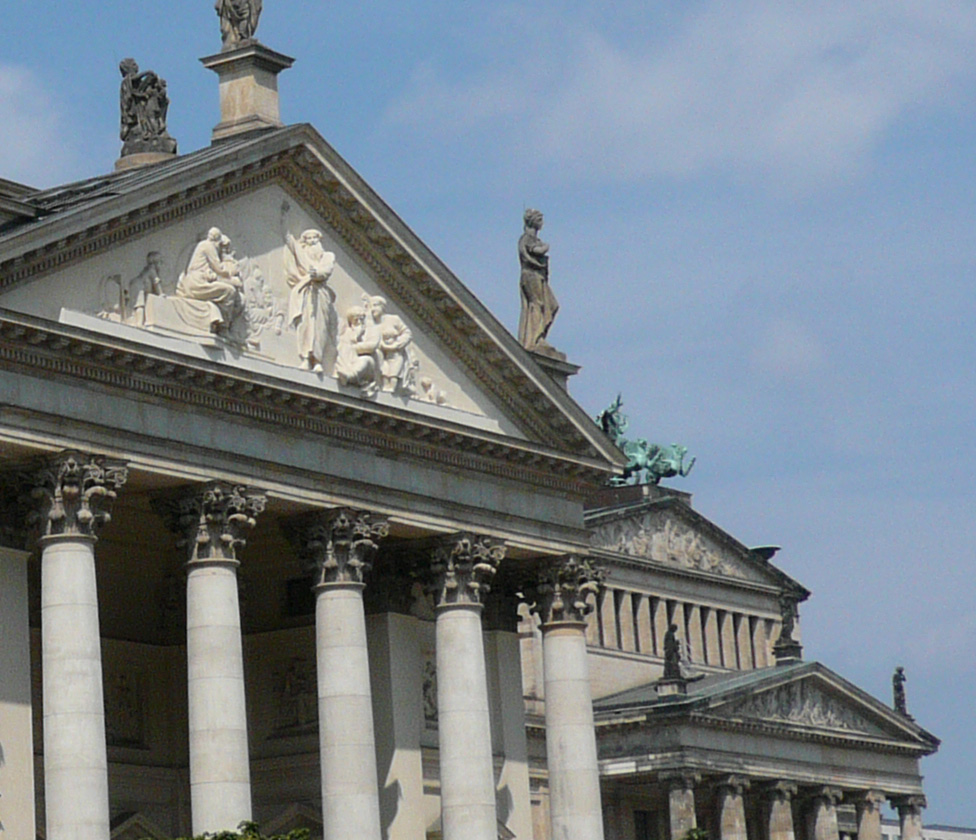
[[762, 226]]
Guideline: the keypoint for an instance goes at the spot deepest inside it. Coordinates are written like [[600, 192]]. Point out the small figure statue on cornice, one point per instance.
[[672, 654], [898, 690], [654, 460], [788, 650], [311, 305], [395, 363], [356, 356], [539, 304], [238, 21], [211, 287], [144, 104]]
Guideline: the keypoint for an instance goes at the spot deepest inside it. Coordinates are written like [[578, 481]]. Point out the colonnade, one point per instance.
[[781, 804], [72, 495]]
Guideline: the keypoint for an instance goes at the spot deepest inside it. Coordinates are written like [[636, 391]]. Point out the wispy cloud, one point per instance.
[[35, 144], [793, 92]]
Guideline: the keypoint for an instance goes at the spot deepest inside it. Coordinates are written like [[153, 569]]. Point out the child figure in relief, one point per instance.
[[394, 361], [355, 358]]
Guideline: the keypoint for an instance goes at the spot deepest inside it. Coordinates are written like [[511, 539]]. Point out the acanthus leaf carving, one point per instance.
[[72, 493], [211, 521], [562, 589], [462, 567], [337, 546]]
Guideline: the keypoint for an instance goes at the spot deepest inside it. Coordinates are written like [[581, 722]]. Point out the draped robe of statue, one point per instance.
[[208, 295], [539, 304], [311, 308], [238, 20]]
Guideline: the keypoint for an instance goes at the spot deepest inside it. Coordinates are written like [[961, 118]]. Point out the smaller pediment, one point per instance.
[[810, 700], [667, 531]]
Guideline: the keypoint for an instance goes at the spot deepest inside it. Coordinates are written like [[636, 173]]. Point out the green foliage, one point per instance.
[[695, 834], [249, 831]]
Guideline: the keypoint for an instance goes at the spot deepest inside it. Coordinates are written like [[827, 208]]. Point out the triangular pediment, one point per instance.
[[809, 699], [127, 256], [669, 532]]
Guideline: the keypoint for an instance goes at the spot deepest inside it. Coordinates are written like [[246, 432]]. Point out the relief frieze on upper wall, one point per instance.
[[659, 536], [261, 281], [800, 703]]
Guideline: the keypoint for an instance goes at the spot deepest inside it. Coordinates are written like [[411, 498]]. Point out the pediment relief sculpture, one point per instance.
[[661, 538], [803, 704], [226, 300]]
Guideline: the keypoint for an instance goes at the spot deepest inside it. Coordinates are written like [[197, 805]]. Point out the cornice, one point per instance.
[[40, 349], [759, 727]]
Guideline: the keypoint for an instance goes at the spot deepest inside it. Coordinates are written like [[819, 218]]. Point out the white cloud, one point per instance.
[[793, 92], [34, 144]]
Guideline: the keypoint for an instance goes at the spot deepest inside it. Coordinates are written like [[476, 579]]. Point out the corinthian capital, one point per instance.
[[338, 546], [71, 493], [561, 590], [210, 520], [462, 566]]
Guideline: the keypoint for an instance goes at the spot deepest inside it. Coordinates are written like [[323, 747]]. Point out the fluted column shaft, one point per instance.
[[210, 522], [72, 493], [560, 598], [338, 546], [462, 567]]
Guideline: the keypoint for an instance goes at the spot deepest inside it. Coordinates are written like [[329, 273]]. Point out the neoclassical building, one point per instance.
[[295, 530]]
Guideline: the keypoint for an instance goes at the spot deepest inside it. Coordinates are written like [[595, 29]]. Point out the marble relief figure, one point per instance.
[[210, 290], [395, 364], [311, 304], [355, 359]]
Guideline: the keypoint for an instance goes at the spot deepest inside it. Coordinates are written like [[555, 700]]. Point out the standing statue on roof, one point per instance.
[[898, 690], [238, 21], [143, 102], [539, 304]]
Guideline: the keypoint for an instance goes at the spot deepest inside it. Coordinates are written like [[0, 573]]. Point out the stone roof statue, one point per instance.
[[238, 21], [672, 654], [539, 304], [898, 691], [143, 102]]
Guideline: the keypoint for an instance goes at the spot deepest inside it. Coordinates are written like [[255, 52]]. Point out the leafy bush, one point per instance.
[[249, 831]]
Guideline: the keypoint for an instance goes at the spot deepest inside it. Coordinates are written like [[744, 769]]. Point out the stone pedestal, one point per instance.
[[462, 567], [779, 817], [210, 522], [73, 492], [248, 88]]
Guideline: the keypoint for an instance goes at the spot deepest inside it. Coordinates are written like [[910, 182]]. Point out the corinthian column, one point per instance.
[[731, 808], [462, 567], [71, 495], [779, 817], [560, 599], [910, 815], [339, 547], [210, 522], [822, 814]]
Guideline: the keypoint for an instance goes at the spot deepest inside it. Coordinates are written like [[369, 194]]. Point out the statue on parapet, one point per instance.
[[672, 654], [898, 691], [238, 21], [647, 463], [539, 304], [144, 103]]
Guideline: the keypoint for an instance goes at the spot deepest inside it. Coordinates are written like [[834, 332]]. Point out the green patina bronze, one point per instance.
[[647, 462]]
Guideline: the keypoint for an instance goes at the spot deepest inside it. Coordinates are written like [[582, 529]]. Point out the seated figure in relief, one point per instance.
[[211, 287], [356, 357], [394, 360], [308, 267]]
